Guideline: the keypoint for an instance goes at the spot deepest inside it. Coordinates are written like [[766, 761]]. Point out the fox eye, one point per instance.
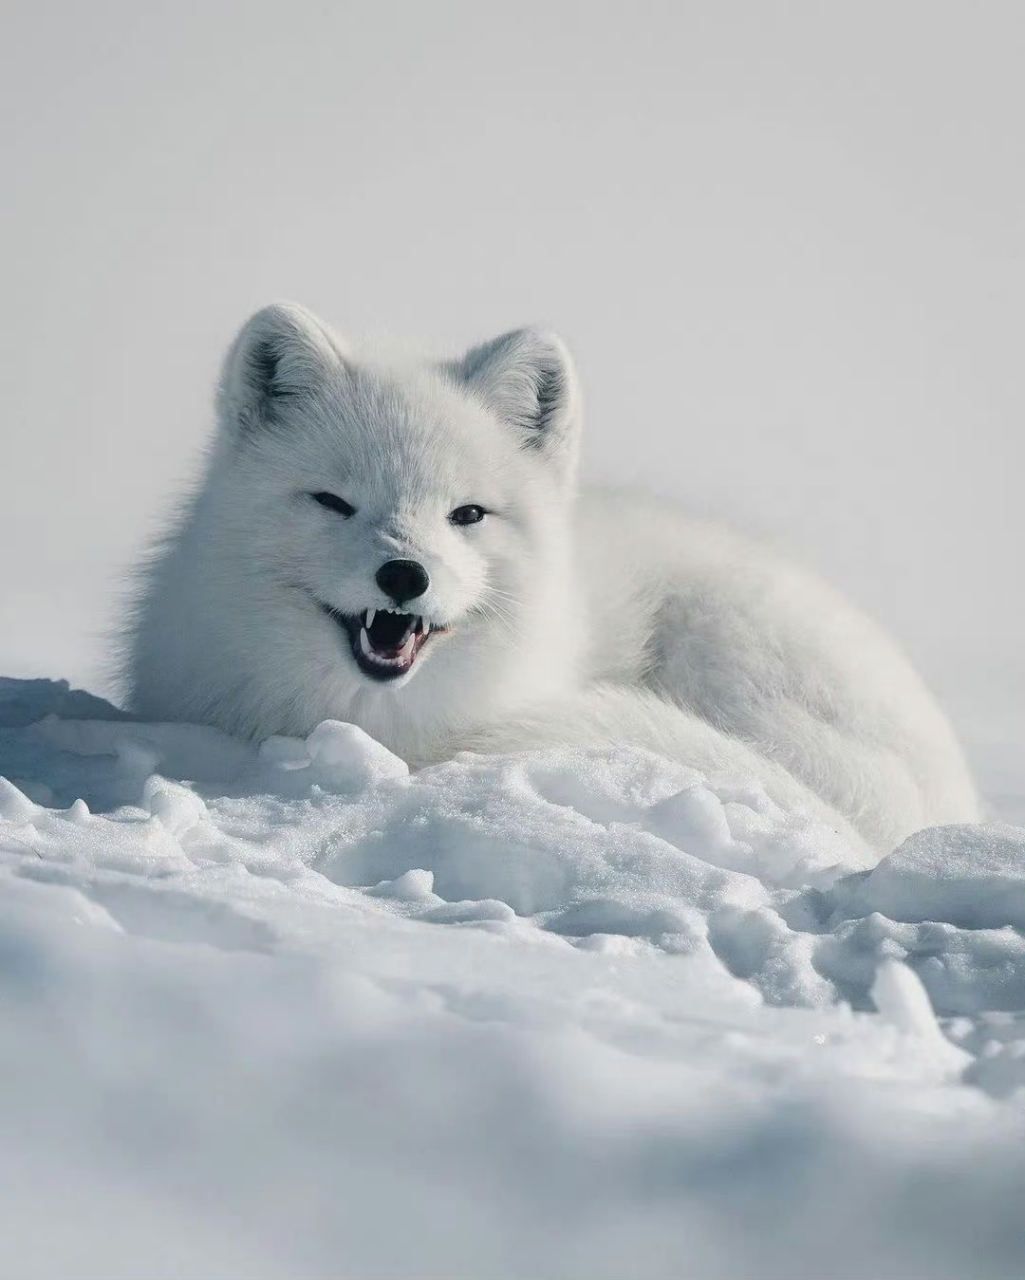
[[470, 514], [334, 503]]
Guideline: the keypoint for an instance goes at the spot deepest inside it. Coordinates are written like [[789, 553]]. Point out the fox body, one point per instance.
[[402, 545]]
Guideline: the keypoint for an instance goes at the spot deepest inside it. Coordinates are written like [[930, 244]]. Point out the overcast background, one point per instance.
[[784, 242]]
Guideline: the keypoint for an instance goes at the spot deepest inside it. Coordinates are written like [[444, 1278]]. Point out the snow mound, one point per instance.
[[973, 877], [291, 1009]]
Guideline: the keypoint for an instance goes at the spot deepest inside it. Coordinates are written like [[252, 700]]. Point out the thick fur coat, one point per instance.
[[402, 545]]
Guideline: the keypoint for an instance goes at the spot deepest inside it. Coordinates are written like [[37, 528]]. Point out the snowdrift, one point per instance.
[[291, 1010]]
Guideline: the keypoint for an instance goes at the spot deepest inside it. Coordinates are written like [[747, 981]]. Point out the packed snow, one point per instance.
[[290, 1009]]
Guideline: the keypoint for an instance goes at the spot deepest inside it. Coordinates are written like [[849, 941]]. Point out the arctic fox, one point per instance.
[[401, 545]]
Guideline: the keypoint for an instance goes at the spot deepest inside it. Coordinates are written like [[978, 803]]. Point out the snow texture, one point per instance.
[[293, 1010]]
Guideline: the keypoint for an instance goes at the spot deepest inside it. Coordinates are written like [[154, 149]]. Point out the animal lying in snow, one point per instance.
[[403, 546]]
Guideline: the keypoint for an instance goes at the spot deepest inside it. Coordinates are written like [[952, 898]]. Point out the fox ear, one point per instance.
[[279, 353], [527, 378]]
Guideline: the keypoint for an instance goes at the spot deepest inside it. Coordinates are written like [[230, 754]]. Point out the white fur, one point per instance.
[[605, 618]]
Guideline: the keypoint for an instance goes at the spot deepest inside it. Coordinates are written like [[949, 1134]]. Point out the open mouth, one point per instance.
[[384, 644]]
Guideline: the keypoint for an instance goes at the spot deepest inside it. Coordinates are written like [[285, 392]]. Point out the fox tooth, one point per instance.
[[371, 615], [364, 643], [406, 652]]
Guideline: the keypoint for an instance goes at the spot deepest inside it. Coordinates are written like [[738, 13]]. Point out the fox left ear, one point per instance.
[[527, 378], [280, 352]]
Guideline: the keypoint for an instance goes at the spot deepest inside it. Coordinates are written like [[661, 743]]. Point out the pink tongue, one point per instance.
[[395, 650]]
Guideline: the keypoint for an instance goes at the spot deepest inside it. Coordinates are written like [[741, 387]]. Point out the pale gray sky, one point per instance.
[[785, 242]]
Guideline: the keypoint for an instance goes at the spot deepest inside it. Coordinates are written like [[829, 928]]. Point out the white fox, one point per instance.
[[402, 545]]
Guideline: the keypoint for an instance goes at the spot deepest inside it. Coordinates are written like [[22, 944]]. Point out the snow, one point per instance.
[[292, 1010], [971, 877]]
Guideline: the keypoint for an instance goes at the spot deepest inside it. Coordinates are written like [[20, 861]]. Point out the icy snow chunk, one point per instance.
[[416, 885], [756, 945], [904, 1002], [78, 812], [177, 808], [482, 911], [344, 756], [741, 829], [970, 876], [695, 815], [965, 971], [15, 806]]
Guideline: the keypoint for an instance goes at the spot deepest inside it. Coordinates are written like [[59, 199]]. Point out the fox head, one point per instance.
[[390, 534]]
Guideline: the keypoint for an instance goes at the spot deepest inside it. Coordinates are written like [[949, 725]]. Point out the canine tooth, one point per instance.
[[364, 643], [371, 615], [406, 652]]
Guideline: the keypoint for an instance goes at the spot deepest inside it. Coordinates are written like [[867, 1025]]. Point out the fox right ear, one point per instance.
[[527, 377], [280, 352]]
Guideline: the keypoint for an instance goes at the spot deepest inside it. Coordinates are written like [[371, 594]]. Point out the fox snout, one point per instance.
[[402, 580]]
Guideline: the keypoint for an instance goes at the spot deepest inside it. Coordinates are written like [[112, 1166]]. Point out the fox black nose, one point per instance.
[[402, 580]]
